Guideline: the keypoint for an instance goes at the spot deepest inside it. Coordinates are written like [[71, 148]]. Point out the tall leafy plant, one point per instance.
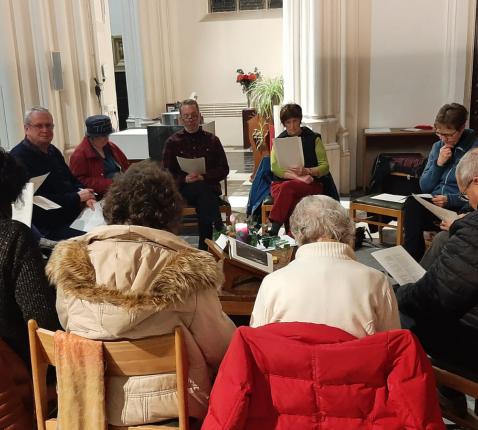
[[264, 94]]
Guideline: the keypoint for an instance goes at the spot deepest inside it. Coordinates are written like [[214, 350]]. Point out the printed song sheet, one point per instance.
[[45, 203], [390, 198], [38, 181], [89, 219], [442, 213], [22, 209], [399, 264], [289, 152], [192, 165]]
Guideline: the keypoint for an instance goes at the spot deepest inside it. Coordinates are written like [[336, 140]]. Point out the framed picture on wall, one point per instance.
[[118, 54]]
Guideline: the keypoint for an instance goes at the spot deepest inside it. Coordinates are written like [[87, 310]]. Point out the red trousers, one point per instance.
[[287, 194]]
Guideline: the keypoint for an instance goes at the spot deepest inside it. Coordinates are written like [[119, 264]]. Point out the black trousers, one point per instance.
[[417, 219], [451, 343], [204, 198]]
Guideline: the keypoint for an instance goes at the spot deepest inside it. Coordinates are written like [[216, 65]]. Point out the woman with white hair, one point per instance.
[[325, 284]]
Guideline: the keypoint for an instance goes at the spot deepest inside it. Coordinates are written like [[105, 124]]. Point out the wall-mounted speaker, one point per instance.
[[57, 72]]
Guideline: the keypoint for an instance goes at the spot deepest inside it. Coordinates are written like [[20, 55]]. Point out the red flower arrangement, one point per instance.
[[247, 79]]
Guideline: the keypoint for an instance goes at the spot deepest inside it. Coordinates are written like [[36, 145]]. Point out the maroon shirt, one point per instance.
[[196, 145]]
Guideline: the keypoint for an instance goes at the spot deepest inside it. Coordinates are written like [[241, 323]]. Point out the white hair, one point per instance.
[[321, 217], [28, 114], [467, 168]]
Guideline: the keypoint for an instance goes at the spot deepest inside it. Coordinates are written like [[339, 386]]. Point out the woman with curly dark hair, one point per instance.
[[24, 294], [135, 278]]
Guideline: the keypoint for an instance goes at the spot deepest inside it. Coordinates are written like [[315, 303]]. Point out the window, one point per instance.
[[237, 5]]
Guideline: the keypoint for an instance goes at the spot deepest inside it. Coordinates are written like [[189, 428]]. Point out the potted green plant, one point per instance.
[[264, 94]]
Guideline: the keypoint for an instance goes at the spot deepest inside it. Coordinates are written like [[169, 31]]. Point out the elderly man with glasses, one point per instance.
[[201, 190], [438, 178], [40, 157], [441, 304]]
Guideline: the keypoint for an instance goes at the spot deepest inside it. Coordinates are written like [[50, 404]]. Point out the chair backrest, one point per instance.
[[153, 355]]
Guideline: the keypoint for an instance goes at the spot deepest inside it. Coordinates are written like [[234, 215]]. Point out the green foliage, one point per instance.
[[264, 93]]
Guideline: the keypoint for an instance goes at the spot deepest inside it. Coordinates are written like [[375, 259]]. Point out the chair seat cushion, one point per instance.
[[368, 200]]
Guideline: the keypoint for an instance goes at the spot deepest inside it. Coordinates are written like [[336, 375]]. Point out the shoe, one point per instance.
[[274, 230], [452, 401]]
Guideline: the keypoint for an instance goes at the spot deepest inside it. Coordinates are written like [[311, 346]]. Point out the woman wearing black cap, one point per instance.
[[96, 159]]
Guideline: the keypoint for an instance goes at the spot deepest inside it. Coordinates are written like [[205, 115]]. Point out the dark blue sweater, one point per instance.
[[60, 186]]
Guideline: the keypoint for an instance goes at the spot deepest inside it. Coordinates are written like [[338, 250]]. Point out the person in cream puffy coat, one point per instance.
[[127, 281]]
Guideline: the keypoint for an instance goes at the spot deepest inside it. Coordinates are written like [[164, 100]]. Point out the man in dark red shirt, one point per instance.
[[201, 190]]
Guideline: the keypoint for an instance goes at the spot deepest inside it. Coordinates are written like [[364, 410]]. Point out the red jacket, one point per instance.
[[87, 165], [312, 376]]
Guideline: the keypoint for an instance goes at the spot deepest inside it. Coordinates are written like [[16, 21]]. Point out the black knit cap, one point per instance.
[[98, 125]]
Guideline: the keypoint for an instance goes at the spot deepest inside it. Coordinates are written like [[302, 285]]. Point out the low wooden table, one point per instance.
[[241, 282], [379, 207], [241, 300]]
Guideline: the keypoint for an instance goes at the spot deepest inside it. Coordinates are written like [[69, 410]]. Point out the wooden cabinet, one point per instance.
[[377, 141]]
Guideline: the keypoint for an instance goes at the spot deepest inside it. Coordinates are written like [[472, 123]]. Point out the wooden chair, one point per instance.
[[463, 385], [153, 355], [224, 207]]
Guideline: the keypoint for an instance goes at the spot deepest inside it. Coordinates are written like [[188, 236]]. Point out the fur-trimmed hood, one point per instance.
[[132, 267]]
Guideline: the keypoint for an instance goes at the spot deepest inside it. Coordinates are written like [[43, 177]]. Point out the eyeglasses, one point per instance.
[[463, 195], [42, 126], [445, 135], [190, 116]]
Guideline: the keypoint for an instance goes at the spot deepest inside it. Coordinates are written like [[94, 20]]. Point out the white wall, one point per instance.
[[208, 49], [116, 17], [417, 59]]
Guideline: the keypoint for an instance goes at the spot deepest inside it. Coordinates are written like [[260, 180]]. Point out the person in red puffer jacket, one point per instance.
[[310, 376], [96, 160]]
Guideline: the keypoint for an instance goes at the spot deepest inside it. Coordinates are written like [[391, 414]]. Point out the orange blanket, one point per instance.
[[80, 378]]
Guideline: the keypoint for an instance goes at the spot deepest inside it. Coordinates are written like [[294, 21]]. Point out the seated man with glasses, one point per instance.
[[441, 303], [438, 178], [200, 190], [40, 157]]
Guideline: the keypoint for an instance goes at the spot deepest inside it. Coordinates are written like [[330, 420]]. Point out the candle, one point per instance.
[[241, 231]]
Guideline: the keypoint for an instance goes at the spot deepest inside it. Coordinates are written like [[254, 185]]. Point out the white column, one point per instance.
[[148, 63], [312, 70]]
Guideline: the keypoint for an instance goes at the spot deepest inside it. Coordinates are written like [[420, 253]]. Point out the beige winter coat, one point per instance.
[[131, 282]]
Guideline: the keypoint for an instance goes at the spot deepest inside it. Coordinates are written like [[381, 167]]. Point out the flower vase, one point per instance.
[[248, 99]]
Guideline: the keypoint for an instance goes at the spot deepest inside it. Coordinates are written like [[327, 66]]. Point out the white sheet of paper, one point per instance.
[[411, 129], [399, 264], [89, 219], [37, 181], [45, 203], [192, 165], [222, 241], [424, 196], [390, 198], [289, 152], [22, 209], [442, 213]]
